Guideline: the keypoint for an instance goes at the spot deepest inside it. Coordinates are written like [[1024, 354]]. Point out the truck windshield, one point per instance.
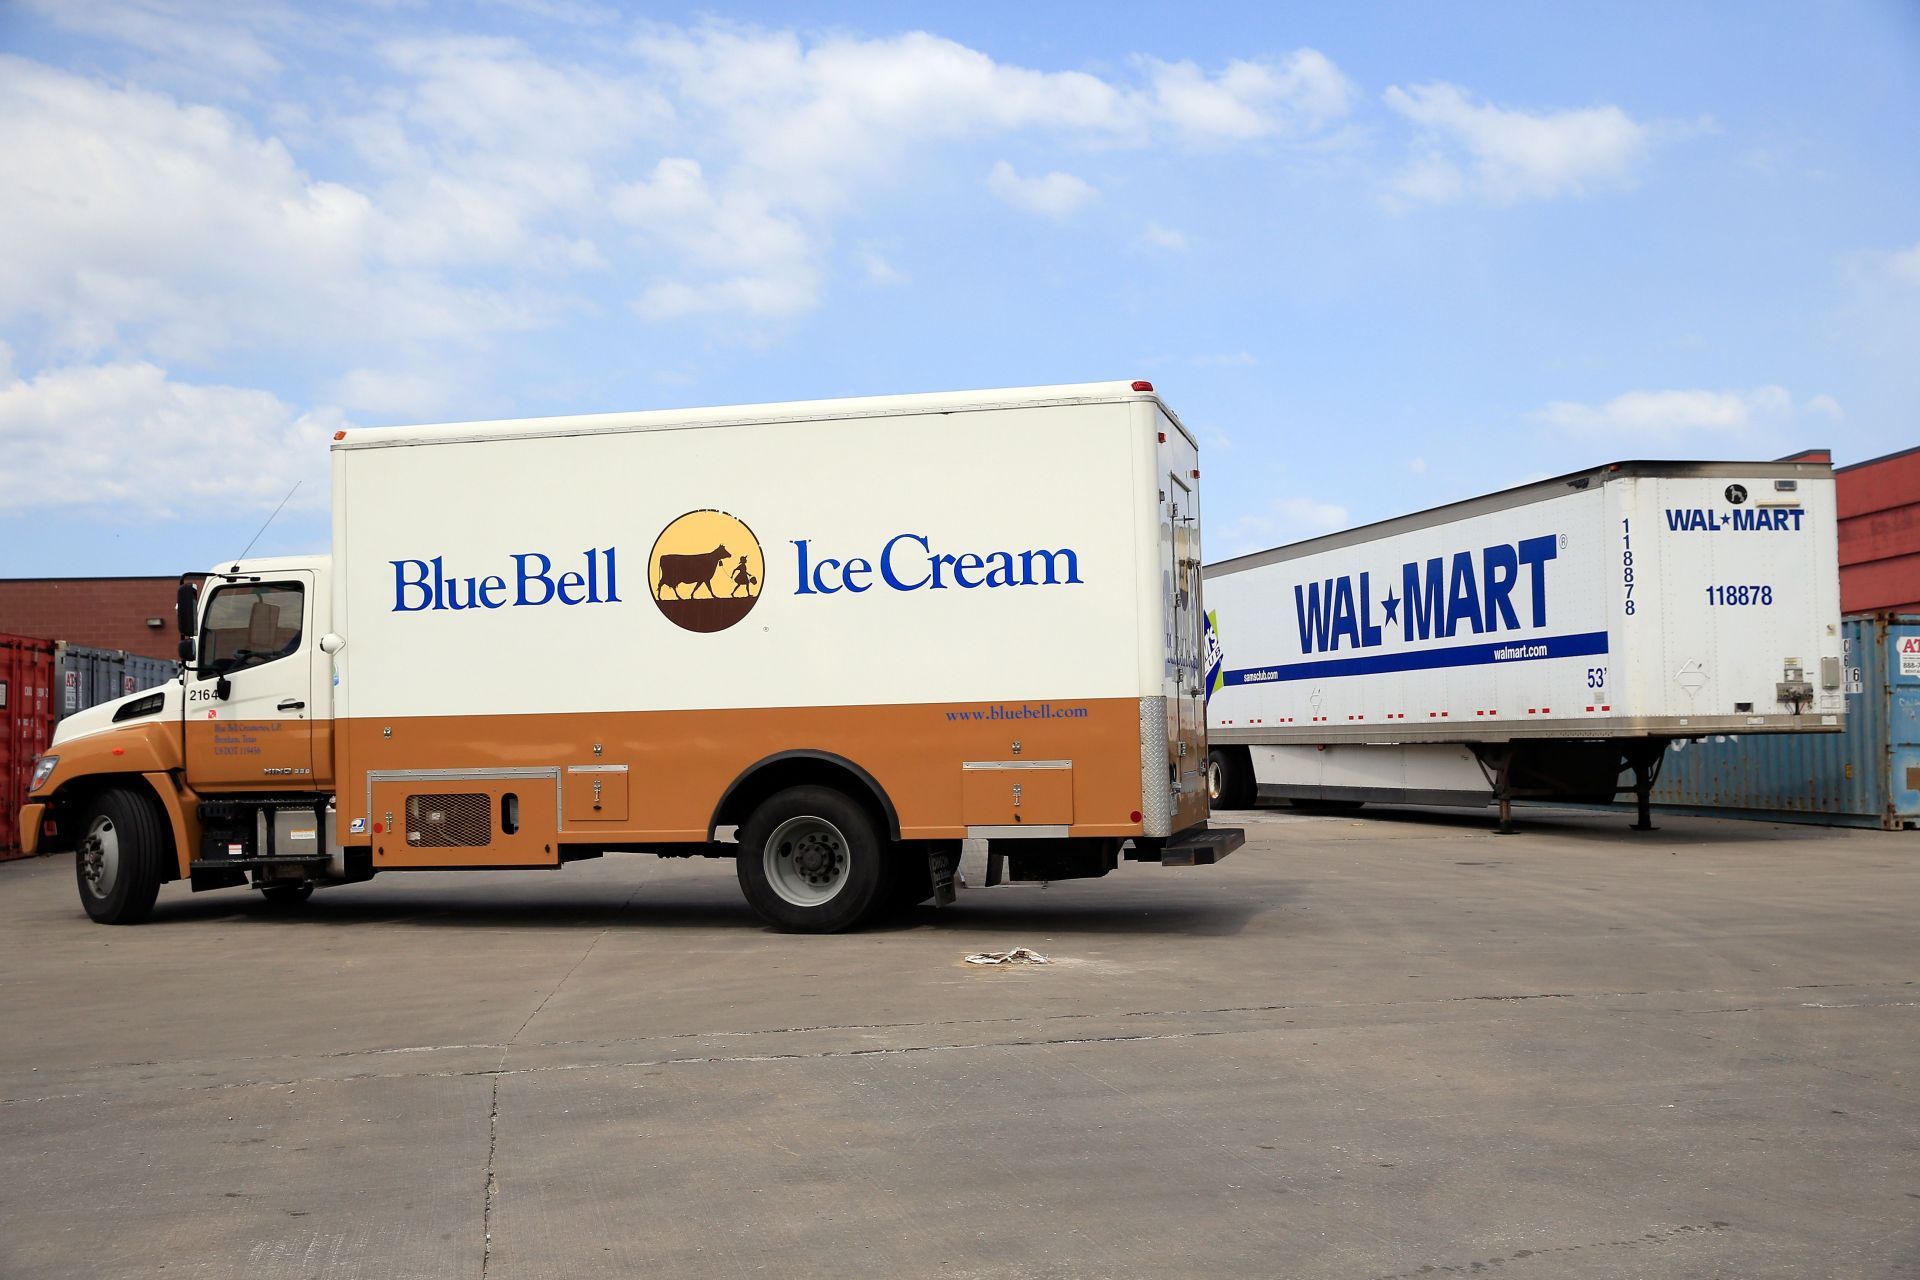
[[245, 626]]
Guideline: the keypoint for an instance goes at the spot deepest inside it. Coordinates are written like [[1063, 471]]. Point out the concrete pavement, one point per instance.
[[1370, 1046]]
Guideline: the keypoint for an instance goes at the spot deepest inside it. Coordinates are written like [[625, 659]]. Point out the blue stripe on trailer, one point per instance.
[[1584, 644]]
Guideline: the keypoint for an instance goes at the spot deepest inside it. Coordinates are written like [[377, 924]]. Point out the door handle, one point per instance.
[[292, 704]]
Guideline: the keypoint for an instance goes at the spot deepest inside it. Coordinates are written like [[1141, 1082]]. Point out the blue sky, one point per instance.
[[1379, 256]]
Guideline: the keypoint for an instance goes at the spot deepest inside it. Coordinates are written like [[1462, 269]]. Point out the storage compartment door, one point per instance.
[[1000, 798], [596, 793], [465, 821]]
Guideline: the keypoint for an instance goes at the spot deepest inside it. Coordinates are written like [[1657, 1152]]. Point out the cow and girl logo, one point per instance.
[[705, 571]]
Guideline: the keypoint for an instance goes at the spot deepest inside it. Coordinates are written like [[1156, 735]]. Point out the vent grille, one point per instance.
[[462, 820]]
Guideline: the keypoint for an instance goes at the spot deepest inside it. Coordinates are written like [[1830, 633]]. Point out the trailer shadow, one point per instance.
[[1586, 824]]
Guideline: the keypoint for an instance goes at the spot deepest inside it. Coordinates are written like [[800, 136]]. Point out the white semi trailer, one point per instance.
[[1538, 642]]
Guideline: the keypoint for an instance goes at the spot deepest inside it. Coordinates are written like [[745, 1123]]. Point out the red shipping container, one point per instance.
[[26, 726], [1879, 503]]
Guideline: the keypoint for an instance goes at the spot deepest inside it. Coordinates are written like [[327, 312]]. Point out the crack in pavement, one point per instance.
[[492, 1192]]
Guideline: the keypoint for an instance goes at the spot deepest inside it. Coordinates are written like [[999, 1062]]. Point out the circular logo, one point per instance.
[[1736, 494], [705, 571]]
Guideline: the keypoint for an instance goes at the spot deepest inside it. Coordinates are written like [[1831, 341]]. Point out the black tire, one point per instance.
[[812, 831], [124, 843], [285, 897], [1229, 778]]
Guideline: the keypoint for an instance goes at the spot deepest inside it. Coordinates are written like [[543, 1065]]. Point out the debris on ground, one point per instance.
[[1019, 955]]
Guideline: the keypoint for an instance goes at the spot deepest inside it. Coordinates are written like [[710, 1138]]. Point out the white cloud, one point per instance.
[[395, 395], [126, 436], [1417, 465], [805, 128], [1504, 154], [202, 37], [1248, 100], [1159, 237], [132, 217], [1906, 264], [711, 166], [1283, 521], [1827, 407], [876, 269], [765, 261], [1673, 413], [1053, 195]]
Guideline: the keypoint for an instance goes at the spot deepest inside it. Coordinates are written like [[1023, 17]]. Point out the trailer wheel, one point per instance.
[[810, 861], [1229, 778], [116, 863], [284, 897]]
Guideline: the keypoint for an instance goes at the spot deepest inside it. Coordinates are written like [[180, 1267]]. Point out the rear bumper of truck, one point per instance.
[[1197, 846]]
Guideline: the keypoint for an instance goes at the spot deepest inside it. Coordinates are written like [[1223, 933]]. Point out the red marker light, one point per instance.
[[1163, 437], [119, 751], [377, 828], [1134, 816], [339, 435], [1143, 386], [1196, 474]]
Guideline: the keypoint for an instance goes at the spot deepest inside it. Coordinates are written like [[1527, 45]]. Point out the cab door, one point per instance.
[[256, 637]]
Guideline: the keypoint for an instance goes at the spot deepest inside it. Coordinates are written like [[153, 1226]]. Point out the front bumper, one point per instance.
[[32, 816]]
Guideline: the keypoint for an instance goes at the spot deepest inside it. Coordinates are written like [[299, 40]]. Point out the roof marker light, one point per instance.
[[339, 435], [1143, 386]]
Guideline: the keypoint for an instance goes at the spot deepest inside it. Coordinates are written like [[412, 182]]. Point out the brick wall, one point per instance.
[[109, 613]]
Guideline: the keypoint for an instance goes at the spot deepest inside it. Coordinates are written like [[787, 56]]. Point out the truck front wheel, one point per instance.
[[117, 861], [810, 861]]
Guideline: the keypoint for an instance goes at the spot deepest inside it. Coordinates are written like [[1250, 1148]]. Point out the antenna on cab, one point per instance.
[[263, 528]]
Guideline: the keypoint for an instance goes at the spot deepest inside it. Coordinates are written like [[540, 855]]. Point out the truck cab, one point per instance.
[[231, 759]]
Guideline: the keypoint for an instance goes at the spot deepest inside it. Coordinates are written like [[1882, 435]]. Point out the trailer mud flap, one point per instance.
[[1195, 847]]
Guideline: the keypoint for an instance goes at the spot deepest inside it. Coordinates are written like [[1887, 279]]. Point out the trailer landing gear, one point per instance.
[[1645, 758]]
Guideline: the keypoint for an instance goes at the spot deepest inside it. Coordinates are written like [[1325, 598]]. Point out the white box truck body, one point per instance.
[[1532, 642], [862, 632]]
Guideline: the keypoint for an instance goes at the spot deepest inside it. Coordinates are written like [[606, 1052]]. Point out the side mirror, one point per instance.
[[186, 608], [222, 687], [187, 646], [332, 643]]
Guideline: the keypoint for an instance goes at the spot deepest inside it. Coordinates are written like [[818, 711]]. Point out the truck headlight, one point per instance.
[[42, 770]]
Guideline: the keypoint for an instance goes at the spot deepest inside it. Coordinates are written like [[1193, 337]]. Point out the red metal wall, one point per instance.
[[1880, 533], [106, 613], [26, 726]]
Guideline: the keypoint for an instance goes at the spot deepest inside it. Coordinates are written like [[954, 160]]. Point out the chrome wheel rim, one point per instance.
[[100, 857], [1213, 780], [806, 861]]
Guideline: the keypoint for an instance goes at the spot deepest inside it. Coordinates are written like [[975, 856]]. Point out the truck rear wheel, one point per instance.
[[1229, 778], [810, 861], [123, 837]]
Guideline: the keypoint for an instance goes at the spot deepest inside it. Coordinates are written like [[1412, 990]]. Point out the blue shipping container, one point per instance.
[[89, 676], [1868, 776]]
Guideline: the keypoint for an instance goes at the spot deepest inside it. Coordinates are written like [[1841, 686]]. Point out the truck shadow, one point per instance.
[[999, 912]]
